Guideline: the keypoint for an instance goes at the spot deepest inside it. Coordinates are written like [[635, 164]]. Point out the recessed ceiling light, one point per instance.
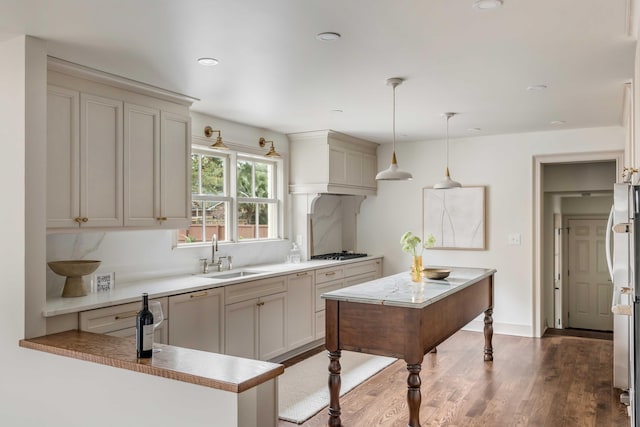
[[475, 130], [328, 36], [337, 110], [535, 88], [487, 4], [557, 122], [208, 61]]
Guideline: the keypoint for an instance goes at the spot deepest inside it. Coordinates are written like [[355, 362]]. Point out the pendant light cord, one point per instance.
[[394, 118], [448, 117]]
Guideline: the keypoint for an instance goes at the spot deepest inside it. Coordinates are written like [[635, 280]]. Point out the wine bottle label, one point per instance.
[[147, 337]]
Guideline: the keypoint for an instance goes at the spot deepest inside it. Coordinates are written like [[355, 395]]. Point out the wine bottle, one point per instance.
[[144, 330]]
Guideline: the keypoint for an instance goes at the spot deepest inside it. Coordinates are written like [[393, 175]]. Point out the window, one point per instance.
[[234, 196]]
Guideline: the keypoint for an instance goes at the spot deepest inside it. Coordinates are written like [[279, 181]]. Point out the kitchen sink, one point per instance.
[[232, 274]]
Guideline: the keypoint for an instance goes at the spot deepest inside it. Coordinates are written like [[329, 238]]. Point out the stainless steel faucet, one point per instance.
[[206, 263], [214, 248]]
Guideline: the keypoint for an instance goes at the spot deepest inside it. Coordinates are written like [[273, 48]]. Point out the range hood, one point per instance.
[[331, 162]]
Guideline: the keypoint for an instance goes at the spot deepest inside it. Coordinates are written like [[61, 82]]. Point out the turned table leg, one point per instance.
[[334, 388], [488, 334], [413, 394]]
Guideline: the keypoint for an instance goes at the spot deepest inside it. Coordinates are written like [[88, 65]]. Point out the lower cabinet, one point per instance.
[[256, 323], [197, 320], [300, 309], [120, 320]]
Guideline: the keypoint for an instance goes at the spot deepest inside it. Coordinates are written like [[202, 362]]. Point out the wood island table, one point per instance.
[[394, 316]]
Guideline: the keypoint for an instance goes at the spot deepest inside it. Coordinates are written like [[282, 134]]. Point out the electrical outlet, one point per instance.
[[515, 239]]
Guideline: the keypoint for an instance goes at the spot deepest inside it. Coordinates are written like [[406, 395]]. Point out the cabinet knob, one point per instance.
[[85, 219], [260, 304], [77, 219]]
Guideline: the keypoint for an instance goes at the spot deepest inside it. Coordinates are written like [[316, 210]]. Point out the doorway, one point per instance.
[[589, 287]]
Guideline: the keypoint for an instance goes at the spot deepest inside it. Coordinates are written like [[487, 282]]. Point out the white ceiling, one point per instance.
[[273, 73]]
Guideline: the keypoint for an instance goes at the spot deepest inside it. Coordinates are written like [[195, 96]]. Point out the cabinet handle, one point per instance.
[[260, 304], [85, 219], [126, 315], [162, 218], [331, 273], [77, 219], [201, 294], [302, 274]]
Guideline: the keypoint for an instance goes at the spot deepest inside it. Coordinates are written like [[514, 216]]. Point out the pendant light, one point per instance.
[[393, 173], [447, 182]]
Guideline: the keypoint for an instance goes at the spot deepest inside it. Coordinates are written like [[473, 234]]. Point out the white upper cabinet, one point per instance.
[[118, 152], [341, 164]]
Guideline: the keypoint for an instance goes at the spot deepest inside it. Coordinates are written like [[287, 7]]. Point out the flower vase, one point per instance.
[[416, 268]]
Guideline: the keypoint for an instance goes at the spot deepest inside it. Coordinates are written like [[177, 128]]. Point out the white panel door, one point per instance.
[[175, 171], [272, 326], [101, 161], [63, 155], [241, 326], [141, 166], [590, 286], [300, 309], [196, 320]]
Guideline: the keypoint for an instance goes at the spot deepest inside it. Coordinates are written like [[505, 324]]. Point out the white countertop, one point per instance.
[[165, 286], [399, 290]]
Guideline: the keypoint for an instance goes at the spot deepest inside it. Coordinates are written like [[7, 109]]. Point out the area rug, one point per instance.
[[303, 389]]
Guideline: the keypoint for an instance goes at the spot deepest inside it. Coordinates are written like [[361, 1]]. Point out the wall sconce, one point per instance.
[[272, 151], [208, 131]]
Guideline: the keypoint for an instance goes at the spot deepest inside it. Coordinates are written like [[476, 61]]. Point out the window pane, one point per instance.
[[207, 218], [212, 175], [253, 221], [195, 173], [244, 179], [263, 173], [216, 213]]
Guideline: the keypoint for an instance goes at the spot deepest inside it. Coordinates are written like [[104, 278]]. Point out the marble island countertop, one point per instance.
[[165, 286], [399, 290]]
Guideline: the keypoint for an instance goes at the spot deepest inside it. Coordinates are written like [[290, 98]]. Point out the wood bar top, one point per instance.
[[219, 371]]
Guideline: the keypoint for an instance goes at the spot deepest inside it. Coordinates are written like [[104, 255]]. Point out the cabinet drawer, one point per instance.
[[361, 268], [323, 288], [328, 274], [361, 278], [254, 289], [115, 318]]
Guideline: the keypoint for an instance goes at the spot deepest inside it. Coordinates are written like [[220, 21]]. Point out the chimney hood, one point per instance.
[[331, 162]]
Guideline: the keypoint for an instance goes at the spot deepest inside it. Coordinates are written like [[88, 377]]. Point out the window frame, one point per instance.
[[272, 202], [231, 156]]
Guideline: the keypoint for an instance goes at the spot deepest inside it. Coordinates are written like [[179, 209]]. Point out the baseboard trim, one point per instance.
[[501, 328]]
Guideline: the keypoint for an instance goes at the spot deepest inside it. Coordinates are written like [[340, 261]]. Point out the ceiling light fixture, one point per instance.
[[272, 151], [535, 88], [208, 62], [328, 36], [208, 131], [447, 182], [474, 130], [393, 173], [557, 122], [487, 4]]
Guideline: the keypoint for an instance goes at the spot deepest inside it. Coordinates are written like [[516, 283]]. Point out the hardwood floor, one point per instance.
[[552, 381]]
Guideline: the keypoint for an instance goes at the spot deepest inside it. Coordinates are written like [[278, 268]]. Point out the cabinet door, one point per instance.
[[241, 325], [369, 170], [100, 161], [196, 320], [175, 171], [300, 309], [337, 165], [141, 166], [272, 326], [63, 151]]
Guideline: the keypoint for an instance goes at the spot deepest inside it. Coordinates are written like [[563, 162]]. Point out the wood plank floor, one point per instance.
[[553, 381]]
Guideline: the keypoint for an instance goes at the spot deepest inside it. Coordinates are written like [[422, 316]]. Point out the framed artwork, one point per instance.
[[455, 217], [104, 282]]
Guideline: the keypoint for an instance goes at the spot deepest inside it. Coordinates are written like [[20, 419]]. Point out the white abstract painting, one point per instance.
[[455, 217]]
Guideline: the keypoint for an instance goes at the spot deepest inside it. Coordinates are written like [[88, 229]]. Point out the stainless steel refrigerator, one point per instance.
[[621, 244]]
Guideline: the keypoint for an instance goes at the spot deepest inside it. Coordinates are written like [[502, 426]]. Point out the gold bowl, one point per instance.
[[436, 273], [74, 270]]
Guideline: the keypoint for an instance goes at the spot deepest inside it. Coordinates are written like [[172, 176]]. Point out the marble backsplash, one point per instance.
[[333, 223], [145, 254]]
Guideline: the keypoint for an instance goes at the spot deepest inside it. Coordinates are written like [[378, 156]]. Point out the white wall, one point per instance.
[[502, 163]]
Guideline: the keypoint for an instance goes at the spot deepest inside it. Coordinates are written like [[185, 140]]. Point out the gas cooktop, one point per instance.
[[339, 256]]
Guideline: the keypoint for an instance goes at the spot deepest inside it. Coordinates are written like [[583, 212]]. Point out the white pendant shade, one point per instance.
[[393, 173], [447, 182]]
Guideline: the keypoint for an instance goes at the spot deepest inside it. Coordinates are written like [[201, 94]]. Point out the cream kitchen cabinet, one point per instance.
[[84, 160], [197, 320], [337, 277], [120, 320], [157, 171], [256, 318], [118, 152], [344, 164], [300, 309]]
